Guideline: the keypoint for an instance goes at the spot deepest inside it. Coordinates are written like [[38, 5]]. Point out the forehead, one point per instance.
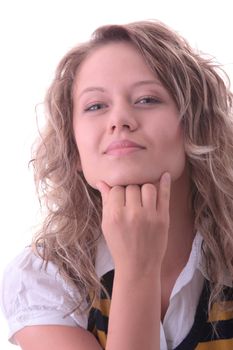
[[117, 59]]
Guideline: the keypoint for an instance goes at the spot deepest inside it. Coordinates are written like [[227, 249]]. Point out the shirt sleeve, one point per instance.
[[32, 295]]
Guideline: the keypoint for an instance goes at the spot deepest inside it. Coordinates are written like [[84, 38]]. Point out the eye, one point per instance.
[[94, 107], [148, 100]]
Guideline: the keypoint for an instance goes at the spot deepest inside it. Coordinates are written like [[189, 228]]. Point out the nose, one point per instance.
[[122, 118]]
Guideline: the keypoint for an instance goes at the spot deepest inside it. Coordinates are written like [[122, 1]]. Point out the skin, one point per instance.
[[146, 218], [116, 97]]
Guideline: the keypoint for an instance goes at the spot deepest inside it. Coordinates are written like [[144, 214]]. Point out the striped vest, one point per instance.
[[201, 336]]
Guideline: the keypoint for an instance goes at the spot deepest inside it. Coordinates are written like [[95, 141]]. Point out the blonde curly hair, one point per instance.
[[72, 226]]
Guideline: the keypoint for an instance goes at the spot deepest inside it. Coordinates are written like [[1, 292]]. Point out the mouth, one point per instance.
[[123, 147]]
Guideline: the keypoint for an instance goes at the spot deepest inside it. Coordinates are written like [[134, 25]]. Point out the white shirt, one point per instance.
[[30, 295]]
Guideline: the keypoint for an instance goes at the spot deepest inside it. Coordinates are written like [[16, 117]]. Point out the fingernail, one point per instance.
[[167, 178]]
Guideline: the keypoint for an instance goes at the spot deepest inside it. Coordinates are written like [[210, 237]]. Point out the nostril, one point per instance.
[[129, 125], [121, 126]]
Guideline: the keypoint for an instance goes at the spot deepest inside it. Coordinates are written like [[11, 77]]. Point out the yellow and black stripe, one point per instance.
[[212, 331], [98, 317]]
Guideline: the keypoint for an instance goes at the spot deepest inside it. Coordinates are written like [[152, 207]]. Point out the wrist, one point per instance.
[[132, 274]]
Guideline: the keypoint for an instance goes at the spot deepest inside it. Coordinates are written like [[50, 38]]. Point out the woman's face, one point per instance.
[[125, 122]]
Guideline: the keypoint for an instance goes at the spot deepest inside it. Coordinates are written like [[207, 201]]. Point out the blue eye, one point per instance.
[[148, 100], [94, 107]]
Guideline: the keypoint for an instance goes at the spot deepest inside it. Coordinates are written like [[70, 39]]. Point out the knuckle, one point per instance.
[[132, 188], [148, 186], [116, 189]]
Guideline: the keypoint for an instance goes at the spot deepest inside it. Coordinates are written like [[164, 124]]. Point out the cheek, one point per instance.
[[174, 134], [88, 149], [173, 148], [178, 156], [169, 139]]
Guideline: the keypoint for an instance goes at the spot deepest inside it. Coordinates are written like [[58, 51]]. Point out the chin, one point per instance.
[[129, 180], [140, 179]]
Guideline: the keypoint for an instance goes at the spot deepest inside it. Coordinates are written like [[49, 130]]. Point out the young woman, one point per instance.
[[135, 169]]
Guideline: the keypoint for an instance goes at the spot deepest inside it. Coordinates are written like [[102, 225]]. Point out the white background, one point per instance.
[[34, 35]]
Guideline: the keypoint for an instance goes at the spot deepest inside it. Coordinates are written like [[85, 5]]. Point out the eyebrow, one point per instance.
[[136, 84], [92, 88], [147, 82]]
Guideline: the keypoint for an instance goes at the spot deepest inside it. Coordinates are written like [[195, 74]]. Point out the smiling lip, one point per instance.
[[122, 147]]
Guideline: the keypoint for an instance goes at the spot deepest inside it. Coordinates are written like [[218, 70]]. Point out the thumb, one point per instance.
[[104, 190]]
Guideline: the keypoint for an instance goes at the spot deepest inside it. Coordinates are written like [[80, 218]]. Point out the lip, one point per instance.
[[121, 147]]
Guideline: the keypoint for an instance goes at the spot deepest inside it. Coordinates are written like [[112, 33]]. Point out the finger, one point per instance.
[[149, 196], [133, 196], [104, 190], [117, 197], [164, 193]]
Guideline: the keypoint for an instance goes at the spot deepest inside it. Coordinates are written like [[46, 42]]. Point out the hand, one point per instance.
[[135, 224]]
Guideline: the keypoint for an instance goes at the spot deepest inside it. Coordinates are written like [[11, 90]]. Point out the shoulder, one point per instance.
[[27, 275], [33, 295]]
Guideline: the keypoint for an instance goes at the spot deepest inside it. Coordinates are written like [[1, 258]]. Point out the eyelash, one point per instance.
[[89, 108], [151, 99]]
